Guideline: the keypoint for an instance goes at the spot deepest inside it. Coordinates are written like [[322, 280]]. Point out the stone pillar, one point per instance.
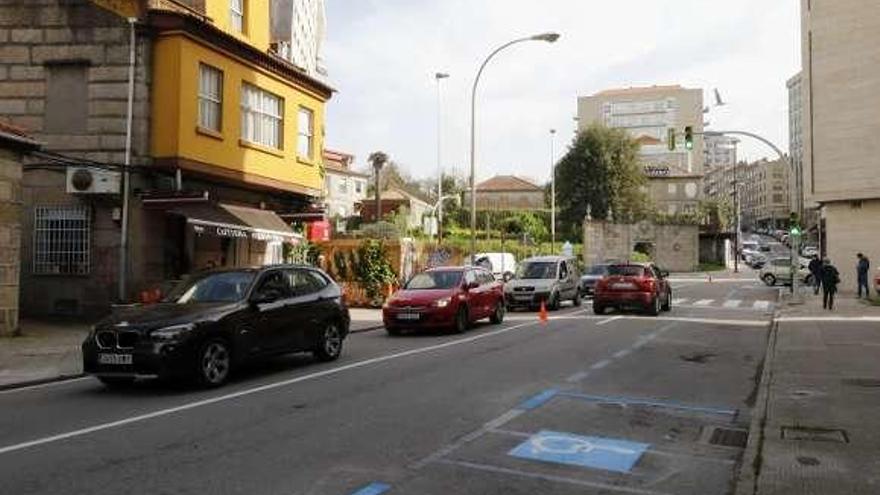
[[10, 239]]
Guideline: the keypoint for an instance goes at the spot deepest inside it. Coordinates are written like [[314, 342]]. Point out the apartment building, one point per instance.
[[841, 90], [226, 135], [720, 151], [648, 113], [764, 197], [344, 187], [298, 30]]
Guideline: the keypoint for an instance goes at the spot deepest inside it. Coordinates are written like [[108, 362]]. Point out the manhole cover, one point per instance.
[[728, 437], [814, 434], [862, 382]]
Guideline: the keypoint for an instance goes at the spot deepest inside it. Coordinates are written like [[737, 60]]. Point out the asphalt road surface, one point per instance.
[[581, 404]]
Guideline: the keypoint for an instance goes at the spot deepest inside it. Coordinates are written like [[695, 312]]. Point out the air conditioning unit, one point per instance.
[[92, 180]]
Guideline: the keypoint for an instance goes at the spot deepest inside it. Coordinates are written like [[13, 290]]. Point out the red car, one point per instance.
[[633, 285], [441, 298]]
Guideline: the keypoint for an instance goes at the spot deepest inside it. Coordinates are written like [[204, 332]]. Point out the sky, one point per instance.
[[382, 55]]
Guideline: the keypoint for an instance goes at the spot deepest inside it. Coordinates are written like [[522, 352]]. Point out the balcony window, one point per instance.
[[261, 117], [305, 129], [236, 15], [210, 97]]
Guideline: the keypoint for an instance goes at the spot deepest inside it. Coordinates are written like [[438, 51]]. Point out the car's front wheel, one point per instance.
[[769, 279], [329, 343], [498, 315], [461, 321], [215, 363], [667, 304], [598, 309], [553, 303]]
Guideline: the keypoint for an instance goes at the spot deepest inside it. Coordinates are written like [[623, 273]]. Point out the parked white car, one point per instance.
[[500, 264]]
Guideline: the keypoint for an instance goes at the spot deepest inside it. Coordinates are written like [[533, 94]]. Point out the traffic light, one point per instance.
[[689, 137], [794, 227], [670, 138]]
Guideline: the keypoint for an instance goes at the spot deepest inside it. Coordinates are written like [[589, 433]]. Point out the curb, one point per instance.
[[40, 381], [749, 468]]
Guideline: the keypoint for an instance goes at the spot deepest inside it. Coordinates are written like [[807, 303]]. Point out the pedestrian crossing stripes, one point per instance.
[[726, 304]]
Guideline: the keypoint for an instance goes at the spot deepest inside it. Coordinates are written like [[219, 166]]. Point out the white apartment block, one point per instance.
[[720, 151], [298, 30]]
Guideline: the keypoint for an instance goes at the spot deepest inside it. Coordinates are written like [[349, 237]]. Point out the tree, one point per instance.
[[600, 174]]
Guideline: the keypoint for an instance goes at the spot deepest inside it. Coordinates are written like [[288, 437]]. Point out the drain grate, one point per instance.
[[809, 434], [728, 437]]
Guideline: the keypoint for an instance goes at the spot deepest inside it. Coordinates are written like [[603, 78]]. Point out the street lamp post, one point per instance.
[[552, 193], [549, 38], [795, 263], [439, 76], [377, 160]]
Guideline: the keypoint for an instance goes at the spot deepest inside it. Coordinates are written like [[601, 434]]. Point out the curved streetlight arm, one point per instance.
[[473, 132], [779, 152]]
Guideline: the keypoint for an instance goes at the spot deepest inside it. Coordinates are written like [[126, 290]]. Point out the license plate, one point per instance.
[[118, 359], [408, 316], [623, 286]]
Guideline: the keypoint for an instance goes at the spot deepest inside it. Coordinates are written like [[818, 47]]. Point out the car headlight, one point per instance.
[[172, 333], [442, 303]]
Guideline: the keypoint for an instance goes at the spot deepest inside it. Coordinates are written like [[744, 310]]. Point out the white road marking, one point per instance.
[[732, 303], [852, 319], [621, 353], [761, 305], [609, 320], [711, 321], [601, 364], [704, 302], [580, 375], [243, 393]]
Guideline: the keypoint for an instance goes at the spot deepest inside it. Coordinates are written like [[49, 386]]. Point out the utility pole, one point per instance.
[[126, 176], [439, 76]]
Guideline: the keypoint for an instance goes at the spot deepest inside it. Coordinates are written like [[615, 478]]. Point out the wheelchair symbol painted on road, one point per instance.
[[594, 452]]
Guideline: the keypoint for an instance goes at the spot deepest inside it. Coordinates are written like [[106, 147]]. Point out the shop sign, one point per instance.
[[656, 171], [233, 232]]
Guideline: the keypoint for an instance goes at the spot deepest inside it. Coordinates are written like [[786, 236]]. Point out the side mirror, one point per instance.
[[471, 285], [664, 273], [507, 277]]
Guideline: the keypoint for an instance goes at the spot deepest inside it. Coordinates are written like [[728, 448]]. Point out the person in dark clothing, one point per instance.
[[815, 267], [862, 268], [830, 279]]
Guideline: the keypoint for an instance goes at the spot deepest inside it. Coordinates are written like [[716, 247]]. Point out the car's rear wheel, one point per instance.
[[329, 343], [769, 279], [461, 321], [667, 304], [577, 297], [498, 315], [116, 382], [215, 363]]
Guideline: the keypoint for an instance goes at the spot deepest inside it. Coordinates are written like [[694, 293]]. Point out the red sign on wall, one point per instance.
[[319, 231]]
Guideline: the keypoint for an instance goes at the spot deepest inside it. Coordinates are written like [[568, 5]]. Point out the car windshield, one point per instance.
[[537, 270], [434, 280], [626, 270], [213, 288], [597, 270]]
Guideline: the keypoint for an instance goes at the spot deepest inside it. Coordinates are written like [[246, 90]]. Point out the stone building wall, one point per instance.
[[672, 247], [10, 239]]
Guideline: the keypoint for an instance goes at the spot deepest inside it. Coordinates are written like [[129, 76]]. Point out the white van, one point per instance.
[[500, 264]]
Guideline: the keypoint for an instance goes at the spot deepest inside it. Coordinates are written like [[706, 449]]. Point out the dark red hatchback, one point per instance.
[[633, 286], [449, 297]]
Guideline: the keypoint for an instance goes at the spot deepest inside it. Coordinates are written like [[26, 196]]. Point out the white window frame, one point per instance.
[[359, 186], [236, 15], [305, 134], [342, 185], [209, 100], [62, 240], [260, 123]]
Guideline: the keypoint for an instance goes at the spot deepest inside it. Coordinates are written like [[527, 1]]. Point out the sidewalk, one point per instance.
[[363, 319], [816, 427], [45, 351]]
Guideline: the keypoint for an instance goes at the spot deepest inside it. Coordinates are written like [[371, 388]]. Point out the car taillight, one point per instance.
[[646, 284]]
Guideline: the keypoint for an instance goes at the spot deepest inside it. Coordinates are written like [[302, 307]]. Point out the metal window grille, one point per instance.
[[62, 240]]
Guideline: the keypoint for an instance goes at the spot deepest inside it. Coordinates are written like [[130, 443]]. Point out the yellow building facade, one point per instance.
[[223, 106]]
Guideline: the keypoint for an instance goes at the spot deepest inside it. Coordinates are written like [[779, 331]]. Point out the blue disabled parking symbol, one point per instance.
[[576, 450]]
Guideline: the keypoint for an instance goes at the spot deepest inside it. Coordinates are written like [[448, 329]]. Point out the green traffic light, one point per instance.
[[689, 137]]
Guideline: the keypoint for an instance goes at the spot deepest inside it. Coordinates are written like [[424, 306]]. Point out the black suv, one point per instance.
[[217, 320]]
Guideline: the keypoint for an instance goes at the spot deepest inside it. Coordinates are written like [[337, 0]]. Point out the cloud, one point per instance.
[[382, 56]]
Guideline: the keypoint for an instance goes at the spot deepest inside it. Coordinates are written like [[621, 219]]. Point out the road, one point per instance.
[[431, 414]]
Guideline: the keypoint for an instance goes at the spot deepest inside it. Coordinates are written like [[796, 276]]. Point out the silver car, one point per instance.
[[547, 279]]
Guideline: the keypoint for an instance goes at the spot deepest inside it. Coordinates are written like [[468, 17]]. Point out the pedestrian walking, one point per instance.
[[830, 279], [863, 266], [815, 268]]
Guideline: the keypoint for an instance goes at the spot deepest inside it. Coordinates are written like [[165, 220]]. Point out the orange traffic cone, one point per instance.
[[542, 314]]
